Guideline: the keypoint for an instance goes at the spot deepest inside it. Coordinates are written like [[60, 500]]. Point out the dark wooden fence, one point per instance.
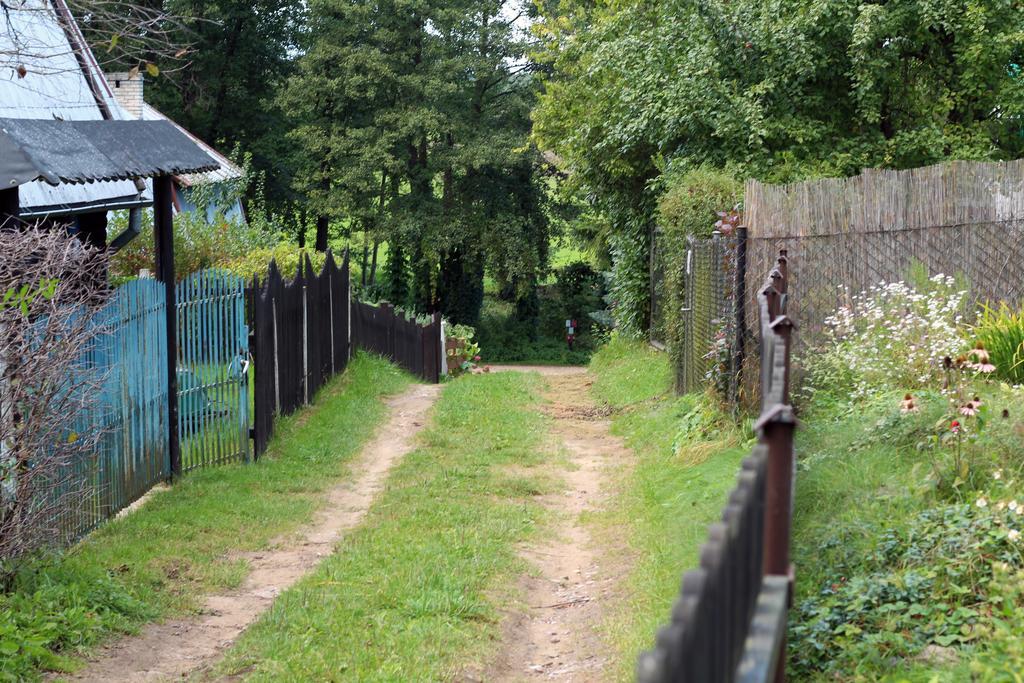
[[300, 339], [729, 621], [383, 330]]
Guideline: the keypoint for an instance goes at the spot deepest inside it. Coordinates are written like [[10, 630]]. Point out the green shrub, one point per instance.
[[689, 207], [692, 200], [52, 611], [198, 244], [1001, 330], [286, 256]]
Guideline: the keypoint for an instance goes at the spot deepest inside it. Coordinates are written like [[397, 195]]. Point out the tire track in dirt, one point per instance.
[[556, 636], [178, 648]]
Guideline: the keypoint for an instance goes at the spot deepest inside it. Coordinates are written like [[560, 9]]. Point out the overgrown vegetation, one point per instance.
[[51, 286], [162, 559], [412, 594], [533, 328], [687, 455], [909, 511], [800, 89]]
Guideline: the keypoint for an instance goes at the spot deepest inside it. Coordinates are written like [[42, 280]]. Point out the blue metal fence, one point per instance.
[[213, 362], [128, 411]]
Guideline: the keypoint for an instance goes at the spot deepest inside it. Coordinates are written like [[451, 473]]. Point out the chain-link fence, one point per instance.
[[964, 220]]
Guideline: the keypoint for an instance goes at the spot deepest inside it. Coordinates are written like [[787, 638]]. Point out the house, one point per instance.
[[128, 90], [47, 71]]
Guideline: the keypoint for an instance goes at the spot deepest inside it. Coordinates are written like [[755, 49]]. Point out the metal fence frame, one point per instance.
[[729, 621]]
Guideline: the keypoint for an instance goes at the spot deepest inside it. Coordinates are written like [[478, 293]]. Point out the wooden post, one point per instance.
[[163, 238], [10, 207]]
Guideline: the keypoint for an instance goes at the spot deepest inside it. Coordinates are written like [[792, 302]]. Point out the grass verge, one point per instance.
[[162, 559], [687, 455], [411, 594]]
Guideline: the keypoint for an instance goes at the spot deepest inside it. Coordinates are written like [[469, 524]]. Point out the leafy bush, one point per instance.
[[931, 582], [1001, 330], [533, 329], [690, 207], [54, 610], [286, 256], [692, 200], [197, 244]]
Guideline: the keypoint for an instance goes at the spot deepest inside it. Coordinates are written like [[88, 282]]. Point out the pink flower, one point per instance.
[[476, 358]]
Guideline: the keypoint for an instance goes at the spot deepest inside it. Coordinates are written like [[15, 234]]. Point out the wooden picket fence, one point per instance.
[[729, 621], [387, 332], [300, 338]]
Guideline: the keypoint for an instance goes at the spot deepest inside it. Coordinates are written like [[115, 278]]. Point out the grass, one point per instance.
[[412, 593], [162, 559], [687, 457]]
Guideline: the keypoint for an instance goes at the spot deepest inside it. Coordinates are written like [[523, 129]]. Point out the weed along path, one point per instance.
[[179, 648], [555, 635]]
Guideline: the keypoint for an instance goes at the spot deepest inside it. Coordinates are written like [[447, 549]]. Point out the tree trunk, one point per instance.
[[373, 264]]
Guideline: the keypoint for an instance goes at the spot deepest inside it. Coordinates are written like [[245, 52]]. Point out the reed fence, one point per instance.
[[963, 219], [729, 621]]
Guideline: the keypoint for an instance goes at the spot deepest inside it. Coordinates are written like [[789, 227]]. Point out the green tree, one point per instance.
[[778, 90], [239, 57], [415, 124]]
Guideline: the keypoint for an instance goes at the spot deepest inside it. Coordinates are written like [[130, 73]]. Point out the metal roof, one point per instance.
[[90, 151], [228, 169], [54, 86]]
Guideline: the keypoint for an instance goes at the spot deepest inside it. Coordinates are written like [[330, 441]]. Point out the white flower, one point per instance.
[[1013, 534], [982, 502], [997, 475], [1013, 506]]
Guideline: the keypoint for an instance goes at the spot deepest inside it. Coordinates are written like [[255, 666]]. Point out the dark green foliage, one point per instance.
[[925, 582], [532, 330], [397, 277], [579, 293], [413, 119], [790, 90], [240, 53], [461, 287]]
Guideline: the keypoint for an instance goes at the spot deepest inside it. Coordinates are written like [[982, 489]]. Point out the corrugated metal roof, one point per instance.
[[54, 86], [90, 151], [228, 170]]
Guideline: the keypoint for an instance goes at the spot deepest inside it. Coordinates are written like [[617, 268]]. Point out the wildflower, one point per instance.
[[1013, 535], [955, 426], [982, 502], [997, 475], [908, 405], [1000, 506], [1013, 506], [1006, 414], [968, 409], [979, 353], [476, 358]]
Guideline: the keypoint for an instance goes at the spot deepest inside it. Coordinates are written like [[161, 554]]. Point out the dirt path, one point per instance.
[[556, 637], [175, 649]]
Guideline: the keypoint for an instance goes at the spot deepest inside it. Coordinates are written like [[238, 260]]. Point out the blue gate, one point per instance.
[[213, 369]]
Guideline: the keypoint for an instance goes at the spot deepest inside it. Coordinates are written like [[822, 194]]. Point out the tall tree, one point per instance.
[[417, 116], [781, 90], [240, 55]]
